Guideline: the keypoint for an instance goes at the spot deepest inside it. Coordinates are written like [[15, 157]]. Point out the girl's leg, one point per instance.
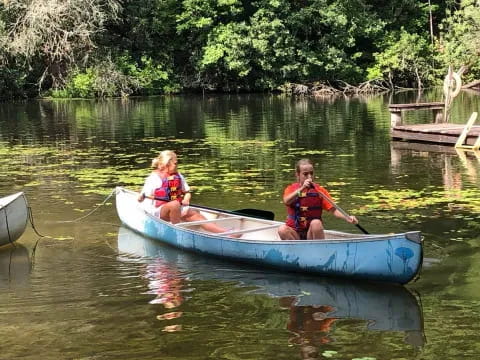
[[287, 233], [171, 212], [193, 215], [316, 230]]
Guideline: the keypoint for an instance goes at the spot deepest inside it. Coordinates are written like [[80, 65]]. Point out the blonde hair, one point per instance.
[[163, 159], [302, 162]]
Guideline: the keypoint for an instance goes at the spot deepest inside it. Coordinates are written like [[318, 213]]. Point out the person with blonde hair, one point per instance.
[[305, 202], [167, 193]]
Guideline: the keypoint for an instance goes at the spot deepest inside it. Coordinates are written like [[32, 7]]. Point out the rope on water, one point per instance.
[[30, 218], [91, 212]]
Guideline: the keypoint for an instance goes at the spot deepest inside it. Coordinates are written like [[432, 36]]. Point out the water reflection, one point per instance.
[[453, 163], [165, 282], [14, 266], [316, 306], [471, 162]]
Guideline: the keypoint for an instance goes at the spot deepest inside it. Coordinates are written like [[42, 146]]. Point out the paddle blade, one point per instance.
[[256, 213]]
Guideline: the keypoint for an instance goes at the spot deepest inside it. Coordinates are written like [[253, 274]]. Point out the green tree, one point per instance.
[[196, 23], [405, 61], [272, 41], [120, 47], [460, 39], [259, 54]]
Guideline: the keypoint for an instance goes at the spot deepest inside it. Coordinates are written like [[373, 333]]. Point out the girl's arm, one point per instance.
[[338, 214], [147, 189], [186, 198], [290, 198], [186, 190]]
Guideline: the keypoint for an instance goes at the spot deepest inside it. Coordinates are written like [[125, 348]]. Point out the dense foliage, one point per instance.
[[89, 48]]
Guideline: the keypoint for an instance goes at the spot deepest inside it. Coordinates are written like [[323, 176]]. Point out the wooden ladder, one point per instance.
[[460, 144]]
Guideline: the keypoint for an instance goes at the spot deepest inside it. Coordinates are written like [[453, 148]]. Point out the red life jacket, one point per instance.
[[304, 209], [170, 190]]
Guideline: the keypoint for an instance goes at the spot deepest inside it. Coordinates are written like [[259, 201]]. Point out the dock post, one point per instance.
[[438, 115], [395, 118]]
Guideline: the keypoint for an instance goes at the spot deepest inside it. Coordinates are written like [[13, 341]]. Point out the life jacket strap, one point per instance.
[[306, 208], [162, 198], [302, 218]]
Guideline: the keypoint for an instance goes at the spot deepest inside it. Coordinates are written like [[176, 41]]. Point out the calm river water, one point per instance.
[[91, 289]]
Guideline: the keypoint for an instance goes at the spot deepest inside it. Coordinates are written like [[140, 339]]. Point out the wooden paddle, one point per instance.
[[256, 213], [344, 213]]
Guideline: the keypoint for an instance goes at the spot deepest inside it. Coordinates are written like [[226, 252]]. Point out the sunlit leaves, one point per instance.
[[406, 60], [460, 43], [329, 353], [227, 47]]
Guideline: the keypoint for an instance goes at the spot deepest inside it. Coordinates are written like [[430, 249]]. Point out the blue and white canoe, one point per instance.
[[393, 258], [13, 217]]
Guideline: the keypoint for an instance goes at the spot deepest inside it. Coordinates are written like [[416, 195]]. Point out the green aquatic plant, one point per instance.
[[405, 200], [244, 170], [305, 152], [329, 353]]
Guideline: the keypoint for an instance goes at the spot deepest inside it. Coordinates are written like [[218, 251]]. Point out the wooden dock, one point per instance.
[[397, 111], [422, 147], [440, 133]]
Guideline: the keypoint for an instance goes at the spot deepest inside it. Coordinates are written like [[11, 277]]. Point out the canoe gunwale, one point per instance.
[[10, 198]]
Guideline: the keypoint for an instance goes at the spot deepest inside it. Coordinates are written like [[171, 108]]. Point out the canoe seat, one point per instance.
[[244, 231]]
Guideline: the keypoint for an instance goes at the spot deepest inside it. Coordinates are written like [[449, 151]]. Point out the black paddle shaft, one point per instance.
[[344, 213], [256, 213]]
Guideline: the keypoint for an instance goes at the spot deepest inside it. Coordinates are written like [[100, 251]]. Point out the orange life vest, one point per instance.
[[304, 209], [170, 190]]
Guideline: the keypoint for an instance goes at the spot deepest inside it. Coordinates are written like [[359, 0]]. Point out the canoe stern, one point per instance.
[[13, 217]]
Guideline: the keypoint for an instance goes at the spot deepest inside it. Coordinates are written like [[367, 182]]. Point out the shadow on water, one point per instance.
[[15, 265], [314, 304]]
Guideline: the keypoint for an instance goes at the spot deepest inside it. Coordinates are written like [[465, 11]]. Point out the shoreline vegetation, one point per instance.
[[112, 48], [319, 89]]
